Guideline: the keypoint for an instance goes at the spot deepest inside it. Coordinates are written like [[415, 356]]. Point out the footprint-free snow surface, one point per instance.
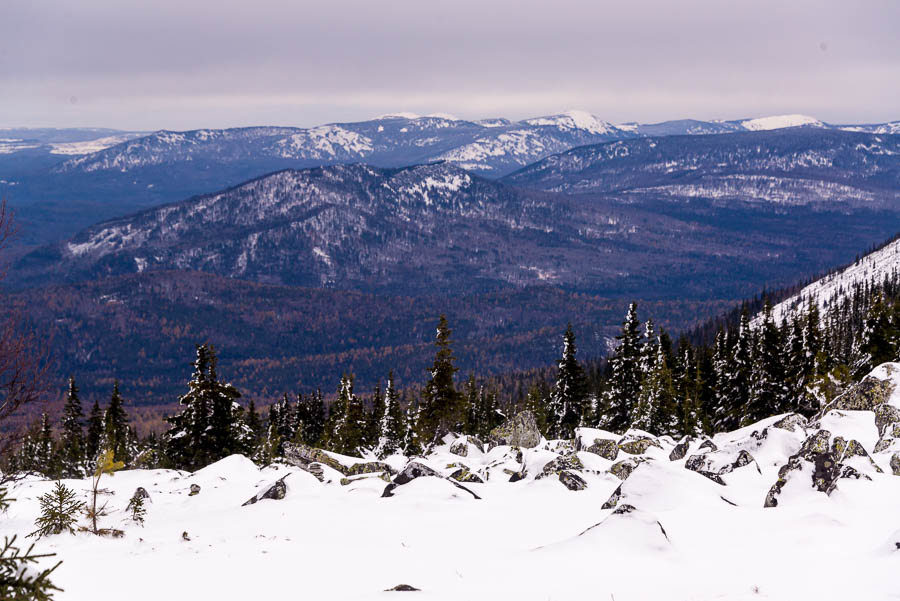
[[788, 508]]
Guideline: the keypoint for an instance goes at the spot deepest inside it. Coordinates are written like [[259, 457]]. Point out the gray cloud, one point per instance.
[[203, 63]]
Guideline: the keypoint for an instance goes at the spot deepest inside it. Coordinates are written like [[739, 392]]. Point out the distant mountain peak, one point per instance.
[[780, 121], [574, 119]]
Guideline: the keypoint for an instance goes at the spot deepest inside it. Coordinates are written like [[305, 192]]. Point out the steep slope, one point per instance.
[[796, 166], [872, 268]]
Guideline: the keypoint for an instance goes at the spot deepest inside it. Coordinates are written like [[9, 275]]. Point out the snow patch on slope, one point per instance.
[[780, 121]]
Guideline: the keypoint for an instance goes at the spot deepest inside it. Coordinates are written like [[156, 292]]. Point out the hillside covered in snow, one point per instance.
[[752, 514]]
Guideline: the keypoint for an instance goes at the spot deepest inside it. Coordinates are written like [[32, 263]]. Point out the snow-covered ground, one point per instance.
[[667, 532]]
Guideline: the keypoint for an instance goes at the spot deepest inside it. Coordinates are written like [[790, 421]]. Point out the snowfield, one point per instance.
[[656, 519]]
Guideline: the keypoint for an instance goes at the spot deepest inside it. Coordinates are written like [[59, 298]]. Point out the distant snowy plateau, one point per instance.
[[785, 509]]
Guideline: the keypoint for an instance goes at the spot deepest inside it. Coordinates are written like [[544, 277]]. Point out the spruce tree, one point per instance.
[[768, 389], [211, 424], [536, 402], [392, 427], [656, 410], [625, 378], [443, 409], [59, 511], [568, 401], [72, 439], [349, 433], [47, 460], [115, 427], [689, 388], [94, 434], [720, 396], [739, 374]]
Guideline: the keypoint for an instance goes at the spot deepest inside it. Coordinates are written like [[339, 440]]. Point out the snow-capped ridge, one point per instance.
[[780, 122]]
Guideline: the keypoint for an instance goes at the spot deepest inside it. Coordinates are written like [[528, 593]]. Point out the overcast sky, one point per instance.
[[182, 64]]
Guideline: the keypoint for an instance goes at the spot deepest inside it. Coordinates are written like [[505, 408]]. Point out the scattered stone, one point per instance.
[[276, 492], [623, 469], [402, 588], [849, 472], [624, 508], [563, 462], [519, 431], [572, 481], [613, 499], [884, 444], [561, 447], [195, 490], [743, 459], [368, 467], [516, 476], [709, 445], [302, 456], [887, 418], [414, 470], [825, 473], [815, 445], [895, 464], [783, 472], [460, 447], [700, 464], [843, 450], [184, 536], [140, 493], [791, 422], [604, 447], [463, 474], [636, 445], [680, 450]]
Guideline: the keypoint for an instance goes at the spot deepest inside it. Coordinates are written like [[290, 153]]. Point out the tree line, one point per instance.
[[754, 368]]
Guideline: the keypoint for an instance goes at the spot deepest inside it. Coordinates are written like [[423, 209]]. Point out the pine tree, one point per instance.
[[568, 401], [625, 380], [115, 427], [94, 434], [46, 459], [392, 427], [536, 402], [720, 398], [254, 424], [473, 409], [443, 409], [72, 440], [689, 388], [412, 444], [311, 413], [106, 464], [59, 511], [739, 374]]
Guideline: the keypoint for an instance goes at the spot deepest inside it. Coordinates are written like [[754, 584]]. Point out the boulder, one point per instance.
[[826, 472], [519, 431], [140, 493], [563, 462], [815, 445], [700, 464], [680, 450], [865, 396], [414, 470], [613, 499], [636, 445], [604, 447], [844, 450], [276, 492], [572, 481], [623, 469], [368, 467], [784, 471], [302, 456], [401, 588], [791, 422], [195, 490], [463, 474], [895, 464], [561, 447], [709, 445], [887, 419], [460, 448]]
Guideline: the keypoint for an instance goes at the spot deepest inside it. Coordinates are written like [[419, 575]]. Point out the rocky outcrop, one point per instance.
[[865, 396], [895, 464], [519, 431], [276, 492], [405, 588], [887, 420], [303, 456], [414, 470], [460, 448], [464, 474]]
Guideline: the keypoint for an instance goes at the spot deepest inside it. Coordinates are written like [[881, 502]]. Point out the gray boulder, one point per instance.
[[678, 453], [519, 431], [414, 470], [791, 422], [604, 447], [460, 448], [613, 499], [895, 464], [636, 445], [572, 481], [276, 492], [561, 463], [865, 396], [195, 490], [887, 420]]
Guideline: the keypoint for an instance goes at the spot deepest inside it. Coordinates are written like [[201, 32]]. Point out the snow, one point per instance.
[[780, 121], [873, 267], [78, 148], [686, 538], [574, 119]]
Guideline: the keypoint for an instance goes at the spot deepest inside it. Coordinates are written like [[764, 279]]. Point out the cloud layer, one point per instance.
[[181, 64]]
